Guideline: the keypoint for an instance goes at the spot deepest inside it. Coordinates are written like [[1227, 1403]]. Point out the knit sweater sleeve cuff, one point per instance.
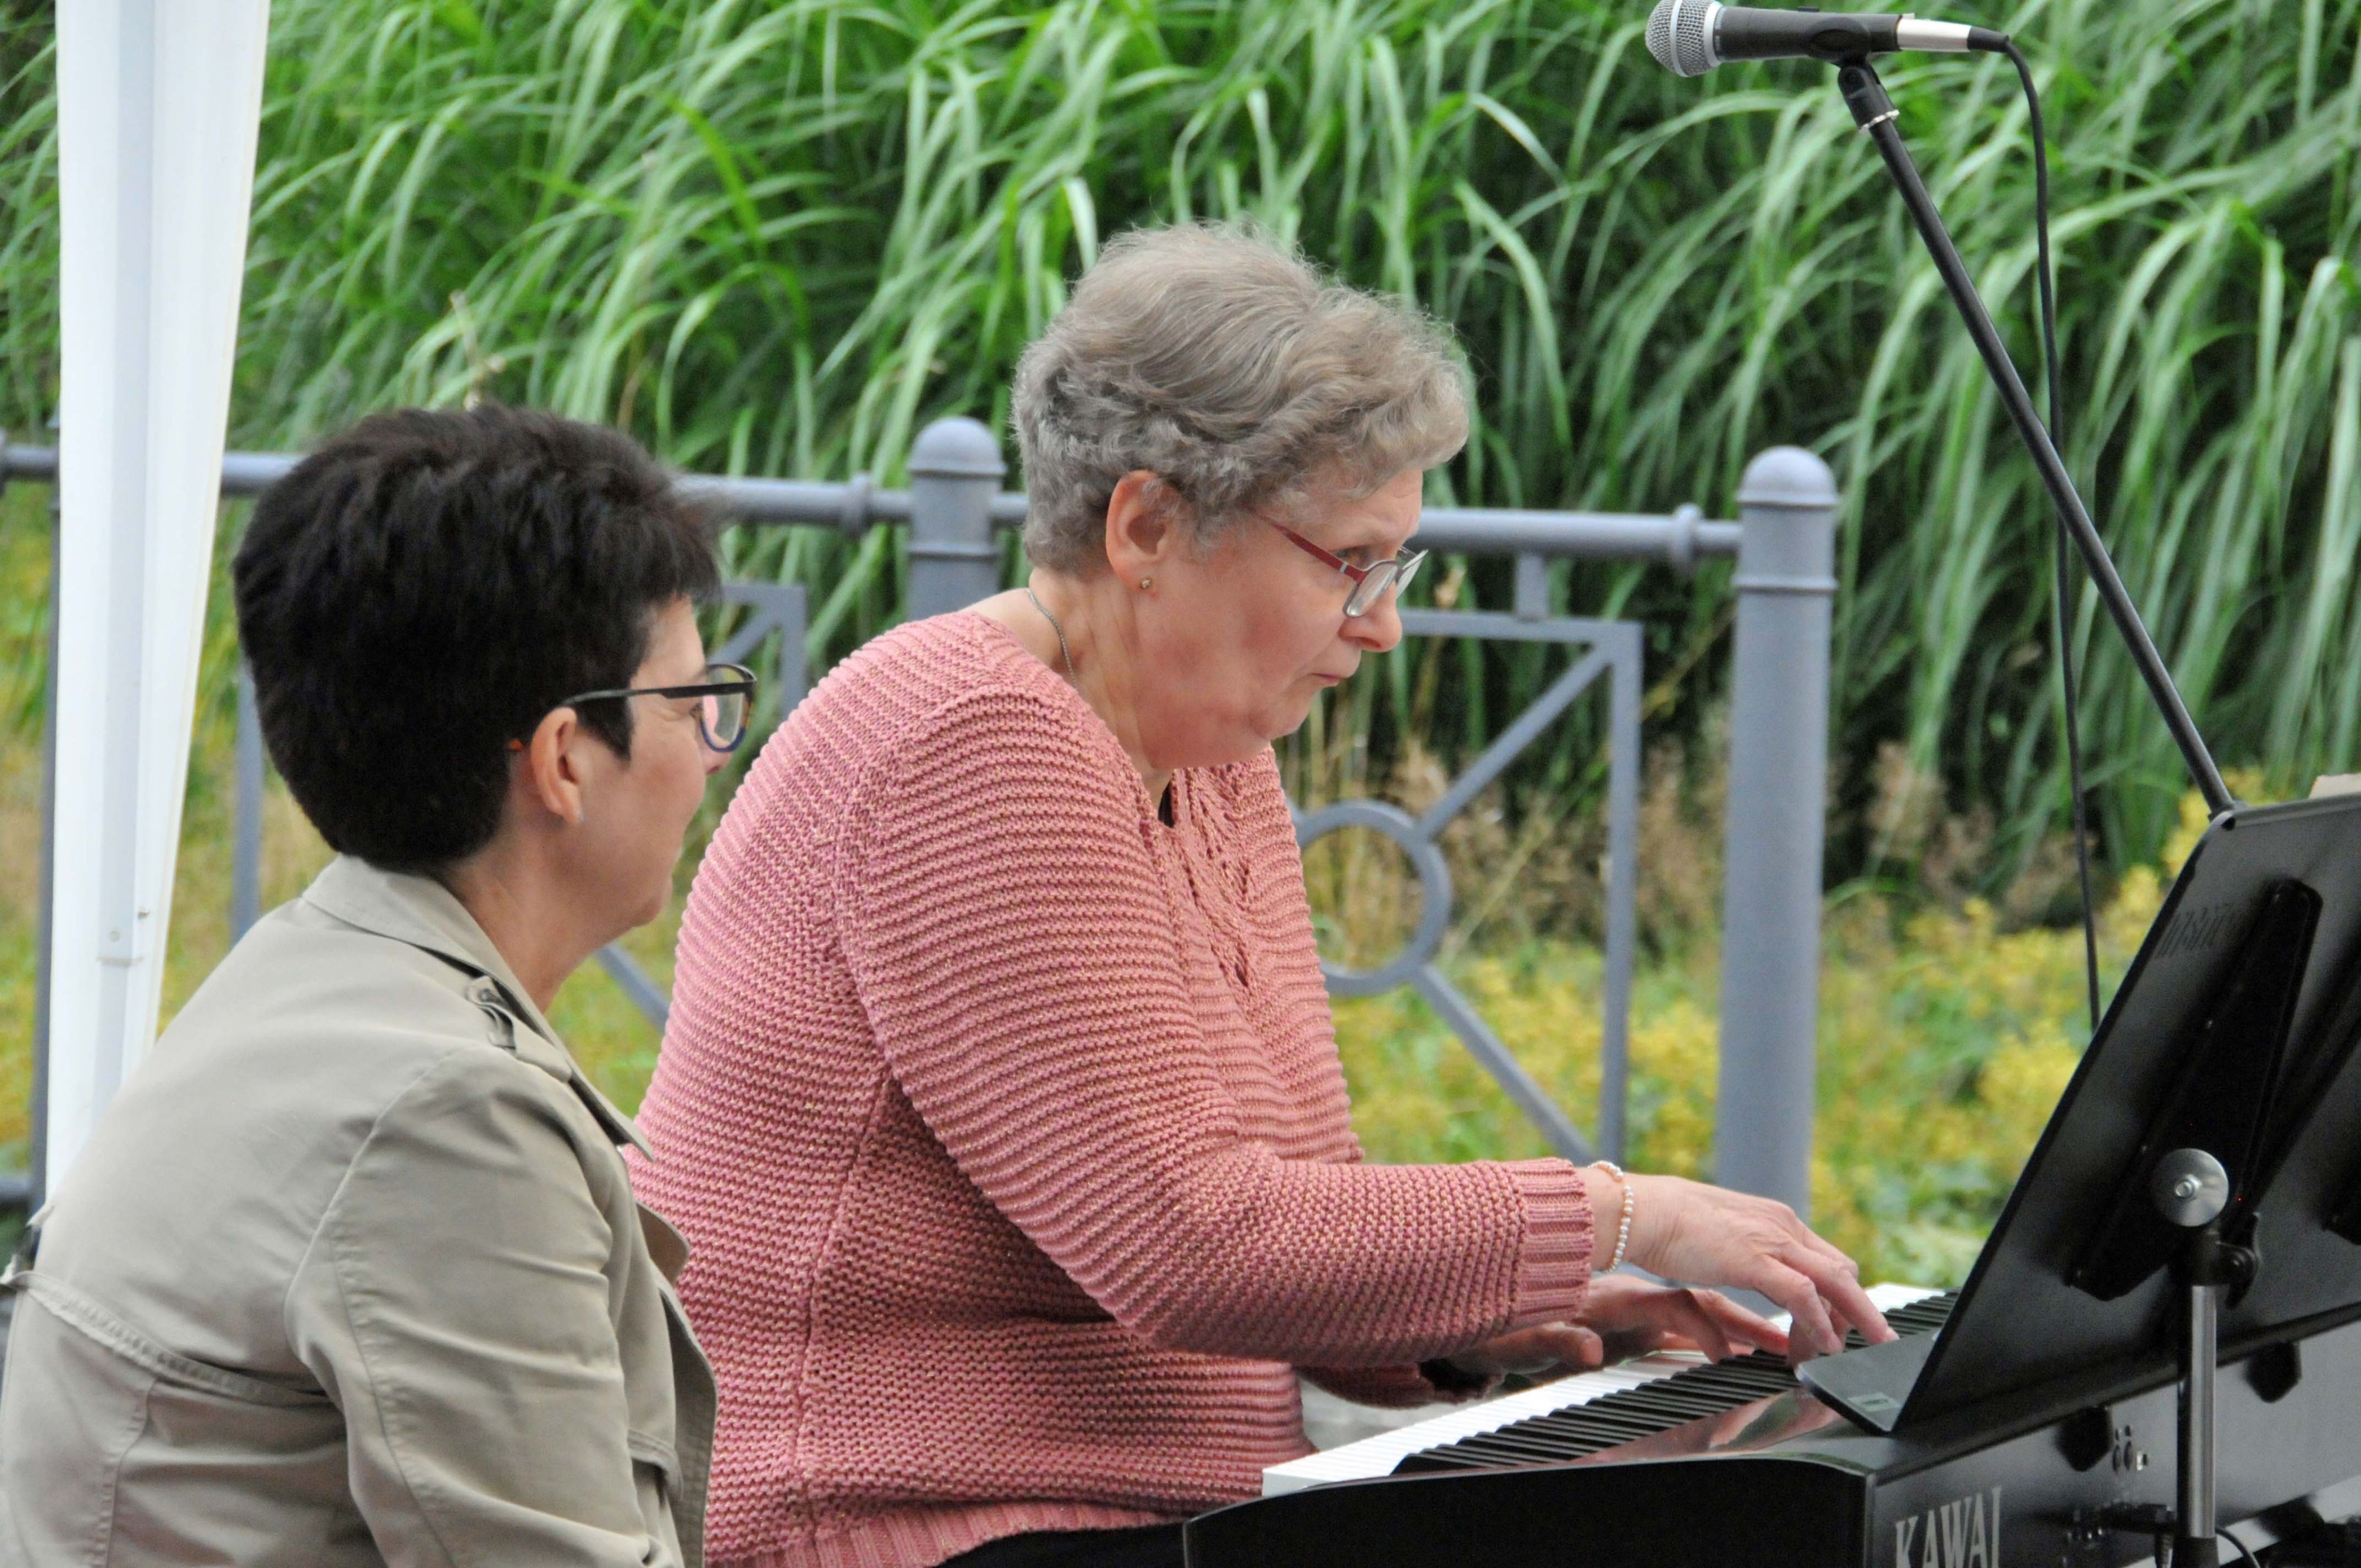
[[1554, 1267]]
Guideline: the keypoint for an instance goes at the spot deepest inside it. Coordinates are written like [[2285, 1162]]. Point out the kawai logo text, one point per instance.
[[1964, 1533]]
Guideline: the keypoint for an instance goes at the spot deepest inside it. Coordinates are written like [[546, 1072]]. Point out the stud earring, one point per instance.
[[1145, 583]]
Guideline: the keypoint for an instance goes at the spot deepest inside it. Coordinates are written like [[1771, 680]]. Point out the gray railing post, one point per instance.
[[1778, 784], [37, 1154], [955, 472], [1622, 899], [246, 843]]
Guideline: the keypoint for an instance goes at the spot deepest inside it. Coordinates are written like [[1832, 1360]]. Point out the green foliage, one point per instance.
[[776, 235], [28, 219]]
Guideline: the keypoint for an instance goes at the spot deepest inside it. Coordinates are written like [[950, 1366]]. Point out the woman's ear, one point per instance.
[[551, 777], [1140, 528]]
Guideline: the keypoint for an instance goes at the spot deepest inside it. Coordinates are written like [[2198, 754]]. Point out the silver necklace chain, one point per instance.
[[1063, 651]]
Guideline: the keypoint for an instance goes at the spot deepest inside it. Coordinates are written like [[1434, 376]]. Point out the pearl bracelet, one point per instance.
[[1623, 1231]]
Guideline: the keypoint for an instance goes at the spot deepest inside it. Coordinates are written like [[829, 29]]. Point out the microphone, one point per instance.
[[1689, 38]]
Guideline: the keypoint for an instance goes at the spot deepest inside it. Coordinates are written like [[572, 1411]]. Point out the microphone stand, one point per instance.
[[1864, 94]]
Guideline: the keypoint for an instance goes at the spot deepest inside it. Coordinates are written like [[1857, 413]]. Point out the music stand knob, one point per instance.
[[2190, 1188]]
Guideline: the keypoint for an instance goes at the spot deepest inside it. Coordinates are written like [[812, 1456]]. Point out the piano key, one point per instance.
[[1450, 1458], [1519, 1447], [1633, 1423], [1583, 1423], [1682, 1406], [1489, 1452]]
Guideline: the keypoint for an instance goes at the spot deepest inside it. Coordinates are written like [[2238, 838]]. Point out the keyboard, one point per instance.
[[1670, 1462], [1494, 1430]]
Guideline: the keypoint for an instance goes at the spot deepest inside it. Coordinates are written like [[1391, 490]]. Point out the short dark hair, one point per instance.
[[425, 586]]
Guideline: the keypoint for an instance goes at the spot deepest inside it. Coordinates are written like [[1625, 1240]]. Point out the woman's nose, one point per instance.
[[1377, 629]]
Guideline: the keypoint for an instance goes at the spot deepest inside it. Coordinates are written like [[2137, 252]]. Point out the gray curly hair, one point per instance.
[[1223, 364]]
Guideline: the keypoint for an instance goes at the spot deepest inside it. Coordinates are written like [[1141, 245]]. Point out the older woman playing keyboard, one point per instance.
[[1000, 1103]]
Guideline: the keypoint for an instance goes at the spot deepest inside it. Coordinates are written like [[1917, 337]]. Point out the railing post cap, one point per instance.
[[956, 448], [1788, 476]]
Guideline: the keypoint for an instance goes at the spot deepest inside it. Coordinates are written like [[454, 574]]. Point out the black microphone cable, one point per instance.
[[2061, 566]]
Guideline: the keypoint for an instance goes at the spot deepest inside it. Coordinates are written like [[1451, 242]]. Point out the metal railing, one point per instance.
[[1784, 544]]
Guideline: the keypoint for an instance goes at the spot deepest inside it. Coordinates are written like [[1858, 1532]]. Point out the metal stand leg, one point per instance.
[[2194, 1544], [2190, 1190]]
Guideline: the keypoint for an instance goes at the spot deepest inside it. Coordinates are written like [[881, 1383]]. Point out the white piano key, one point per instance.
[[1375, 1456]]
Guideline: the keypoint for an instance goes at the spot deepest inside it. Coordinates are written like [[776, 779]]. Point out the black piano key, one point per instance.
[[1650, 1394], [1738, 1390], [1489, 1449], [1923, 1317], [1746, 1370], [1560, 1433], [1683, 1404], [1537, 1447], [1747, 1373], [1655, 1413], [1733, 1376], [1454, 1456], [1680, 1404], [1636, 1399], [1588, 1418], [1556, 1445]]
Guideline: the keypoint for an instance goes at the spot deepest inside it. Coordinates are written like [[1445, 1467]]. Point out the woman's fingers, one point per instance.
[[1740, 1326], [1666, 1321], [1560, 1348], [1719, 1237], [1810, 1330], [1543, 1350], [1841, 1287], [1638, 1318], [1826, 1248], [1699, 1327], [1837, 1278]]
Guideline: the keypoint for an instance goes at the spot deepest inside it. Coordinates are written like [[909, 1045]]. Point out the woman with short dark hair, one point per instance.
[[1000, 1098], [350, 1272]]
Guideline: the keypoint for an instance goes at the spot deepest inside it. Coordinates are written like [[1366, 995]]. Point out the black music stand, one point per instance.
[[2235, 1035]]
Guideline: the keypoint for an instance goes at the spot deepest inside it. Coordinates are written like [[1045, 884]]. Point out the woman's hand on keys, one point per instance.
[[1625, 1316]]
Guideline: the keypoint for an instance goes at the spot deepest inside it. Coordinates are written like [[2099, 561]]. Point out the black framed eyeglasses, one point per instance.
[[726, 696]]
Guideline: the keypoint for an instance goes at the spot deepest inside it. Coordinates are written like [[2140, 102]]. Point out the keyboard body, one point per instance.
[[1785, 1479]]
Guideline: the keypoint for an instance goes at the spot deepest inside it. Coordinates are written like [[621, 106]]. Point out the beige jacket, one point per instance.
[[351, 1274]]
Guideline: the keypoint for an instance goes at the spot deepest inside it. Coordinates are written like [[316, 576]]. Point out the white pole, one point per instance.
[[156, 107]]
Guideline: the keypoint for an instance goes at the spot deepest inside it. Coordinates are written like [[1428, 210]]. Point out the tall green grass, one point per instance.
[[776, 235]]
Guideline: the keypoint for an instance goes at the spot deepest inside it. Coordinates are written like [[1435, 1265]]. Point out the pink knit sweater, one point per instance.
[[1007, 1127]]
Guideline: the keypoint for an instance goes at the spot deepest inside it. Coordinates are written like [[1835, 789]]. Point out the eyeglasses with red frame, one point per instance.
[[1370, 583]]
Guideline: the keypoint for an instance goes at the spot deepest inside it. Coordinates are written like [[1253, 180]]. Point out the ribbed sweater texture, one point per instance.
[[1007, 1127]]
